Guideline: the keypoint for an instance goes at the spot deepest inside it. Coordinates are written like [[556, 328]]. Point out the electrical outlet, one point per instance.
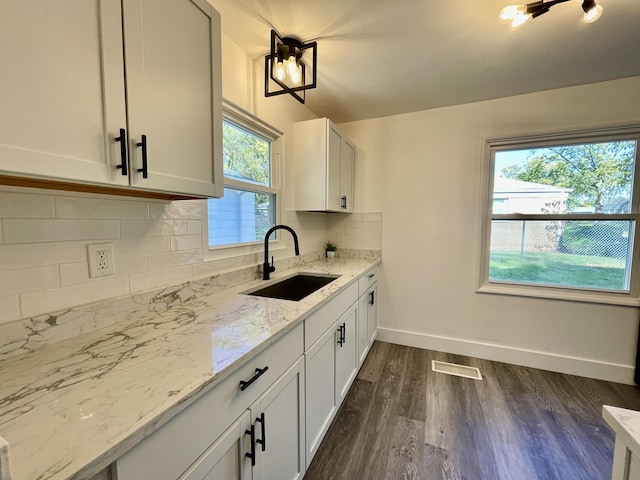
[[100, 256]]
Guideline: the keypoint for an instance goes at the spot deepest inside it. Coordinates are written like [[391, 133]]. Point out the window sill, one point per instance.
[[622, 299]]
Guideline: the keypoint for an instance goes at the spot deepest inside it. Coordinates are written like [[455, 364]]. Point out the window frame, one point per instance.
[[579, 294], [243, 119]]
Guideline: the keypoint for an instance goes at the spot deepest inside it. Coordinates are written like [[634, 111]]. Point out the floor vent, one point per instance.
[[454, 369]]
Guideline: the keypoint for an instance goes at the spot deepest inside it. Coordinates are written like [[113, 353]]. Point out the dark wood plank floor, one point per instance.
[[401, 421]]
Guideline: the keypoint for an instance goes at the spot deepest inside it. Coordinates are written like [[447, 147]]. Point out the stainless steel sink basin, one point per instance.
[[294, 288]]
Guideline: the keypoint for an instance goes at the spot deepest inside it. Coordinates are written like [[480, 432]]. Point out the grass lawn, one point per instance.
[[558, 269]]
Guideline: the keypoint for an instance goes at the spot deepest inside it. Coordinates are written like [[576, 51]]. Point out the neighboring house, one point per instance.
[[516, 196]]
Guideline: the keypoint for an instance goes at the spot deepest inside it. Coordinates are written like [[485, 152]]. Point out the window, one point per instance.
[[251, 165], [560, 217]]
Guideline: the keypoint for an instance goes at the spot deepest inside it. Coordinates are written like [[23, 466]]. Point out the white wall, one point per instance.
[[422, 171]]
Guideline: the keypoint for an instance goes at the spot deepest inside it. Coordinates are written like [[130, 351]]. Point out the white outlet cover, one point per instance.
[[100, 256]]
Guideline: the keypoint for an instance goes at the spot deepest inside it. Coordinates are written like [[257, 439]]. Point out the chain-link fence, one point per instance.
[[600, 238], [569, 253]]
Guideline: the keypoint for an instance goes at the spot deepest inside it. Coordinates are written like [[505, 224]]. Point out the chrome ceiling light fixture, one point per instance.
[[516, 15], [290, 67]]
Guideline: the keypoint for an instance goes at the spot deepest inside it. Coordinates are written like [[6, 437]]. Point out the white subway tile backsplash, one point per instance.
[[181, 209], [372, 217], [44, 236], [129, 265], [141, 246], [80, 207], [359, 231], [28, 279], [161, 261], [45, 230], [153, 228], [159, 278], [194, 227], [9, 308], [74, 273], [32, 255], [46, 301], [186, 242], [23, 205]]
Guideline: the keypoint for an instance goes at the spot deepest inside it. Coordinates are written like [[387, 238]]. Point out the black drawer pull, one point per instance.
[[252, 455], [143, 144], [371, 275], [342, 334], [123, 151], [263, 440], [259, 371]]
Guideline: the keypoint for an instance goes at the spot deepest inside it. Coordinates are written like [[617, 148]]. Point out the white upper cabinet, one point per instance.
[[172, 51], [324, 160], [70, 86]]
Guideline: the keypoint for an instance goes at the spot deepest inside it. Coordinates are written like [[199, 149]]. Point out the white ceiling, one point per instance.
[[384, 57]]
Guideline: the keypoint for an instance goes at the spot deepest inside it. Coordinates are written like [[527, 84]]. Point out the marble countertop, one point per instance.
[[626, 424], [71, 408]]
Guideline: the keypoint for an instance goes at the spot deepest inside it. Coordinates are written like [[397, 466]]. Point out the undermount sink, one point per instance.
[[294, 288]]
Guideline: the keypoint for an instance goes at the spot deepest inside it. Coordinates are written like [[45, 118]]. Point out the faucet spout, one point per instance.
[[266, 268]]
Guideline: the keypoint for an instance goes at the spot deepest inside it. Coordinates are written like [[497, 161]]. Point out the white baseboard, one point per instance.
[[545, 361]]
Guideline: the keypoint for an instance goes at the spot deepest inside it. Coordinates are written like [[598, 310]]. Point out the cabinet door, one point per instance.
[[346, 352], [363, 328], [172, 50], [347, 164], [62, 97], [225, 459], [319, 389], [334, 151], [278, 418], [372, 313]]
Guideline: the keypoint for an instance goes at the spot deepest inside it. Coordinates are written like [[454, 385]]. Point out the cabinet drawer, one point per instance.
[[318, 322], [368, 279], [176, 445]]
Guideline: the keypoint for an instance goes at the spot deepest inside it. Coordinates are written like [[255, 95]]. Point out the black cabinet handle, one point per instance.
[[342, 334], [123, 151], [344, 201], [371, 275], [259, 371], [143, 144], [372, 298], [263, 440], [252, 455]]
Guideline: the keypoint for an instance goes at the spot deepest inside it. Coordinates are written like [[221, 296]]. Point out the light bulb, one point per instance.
[[280, 71], [593, 14], [519, 19], [291, 65], [295, 76], [508, 13]]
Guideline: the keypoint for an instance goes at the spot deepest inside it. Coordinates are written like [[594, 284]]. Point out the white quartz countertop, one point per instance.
[[69, 409]]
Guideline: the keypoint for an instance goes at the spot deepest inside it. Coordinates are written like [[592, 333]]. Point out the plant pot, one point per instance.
[[331, 253]]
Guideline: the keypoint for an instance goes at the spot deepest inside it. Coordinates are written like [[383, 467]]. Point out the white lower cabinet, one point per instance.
[[278, 419], [331, 364], [172, 450], [225, 459], [320, 366], [367, 321], [367, 312], [346, 352], [266, 442]]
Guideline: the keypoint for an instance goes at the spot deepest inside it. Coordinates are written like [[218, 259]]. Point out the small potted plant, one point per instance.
[[330, 249]]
